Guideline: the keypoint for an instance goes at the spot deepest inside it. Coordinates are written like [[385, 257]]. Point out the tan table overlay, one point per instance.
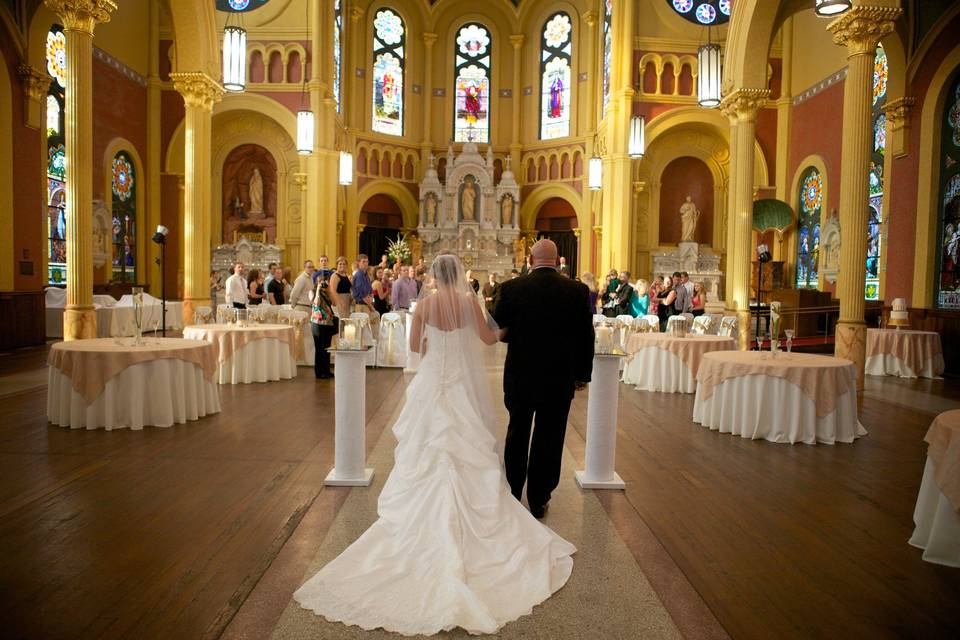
[[689, 349], [230, 338], [91, 363], [943, 439], [823, 379], [913, 348]]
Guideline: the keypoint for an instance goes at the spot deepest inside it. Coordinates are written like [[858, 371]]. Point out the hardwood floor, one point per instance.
[[166, 533]]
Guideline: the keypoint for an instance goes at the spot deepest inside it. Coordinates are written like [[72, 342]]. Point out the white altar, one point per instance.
[[469, 215], [702, 266], [255, 255]]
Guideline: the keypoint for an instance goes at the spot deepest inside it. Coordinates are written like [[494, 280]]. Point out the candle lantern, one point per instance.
[[351, 334]]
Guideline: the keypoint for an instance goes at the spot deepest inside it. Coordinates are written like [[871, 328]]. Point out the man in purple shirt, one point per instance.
[[405, 289], [362, 290]]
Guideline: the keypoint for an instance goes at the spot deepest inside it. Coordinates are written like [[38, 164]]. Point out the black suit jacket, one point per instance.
[[549, 334]]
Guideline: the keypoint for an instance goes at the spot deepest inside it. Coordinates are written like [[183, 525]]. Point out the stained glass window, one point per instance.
[[56, 158], [472, 52], [703, 12], [607, 49], [556, 51], [875, 176], [337, 50], [808, 228], [123, 185], [947, 286], [239, 6], [389, 51]]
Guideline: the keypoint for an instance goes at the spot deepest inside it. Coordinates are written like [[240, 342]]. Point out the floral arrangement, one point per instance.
[[399, 250]]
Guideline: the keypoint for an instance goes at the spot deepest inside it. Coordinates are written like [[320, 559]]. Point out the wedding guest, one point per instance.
[[474, 283], [404, 289], [254, 287], [340, 286], [527, 267], [270, 275], [236, 288], [685, 279], [381, 301], [384, 262], [362, 291], [323, 325], [302, 293], [215, 286], [287, 276], [591, 281], [323, 269], [667, 296], [514, 274], [640, 302], [491, 293], [563, 269], [699, 300], [653, 296], [681, 303], [275, 292]]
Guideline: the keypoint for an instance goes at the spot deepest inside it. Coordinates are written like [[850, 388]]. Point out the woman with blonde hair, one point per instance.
[[699, 300], [591, 281], [640, 301], [340, 286]]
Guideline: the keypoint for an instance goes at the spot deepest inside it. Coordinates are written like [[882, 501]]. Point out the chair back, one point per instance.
[[715, 319], [701, 325], [224, 313], [653, 322], [728, 326], [598, 318], [203, 315], [689, 317], [677, 326]]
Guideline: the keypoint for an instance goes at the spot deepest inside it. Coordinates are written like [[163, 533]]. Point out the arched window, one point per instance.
[[607, 48], [809, 206], [875, 210], [56, 157], [556, 51], [123, 184], [389, 51], [337, 50], [471, 54], [947, 286]]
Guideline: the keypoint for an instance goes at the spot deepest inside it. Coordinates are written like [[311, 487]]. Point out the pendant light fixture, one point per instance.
[[595, 174], [346, 168], [636, 144], [708, 74], [305, 115], [831, 8], [234, 58]]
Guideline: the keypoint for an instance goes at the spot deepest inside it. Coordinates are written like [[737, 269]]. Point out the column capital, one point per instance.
[[300, 179], [590, 18], [517, 40], [197, 88], [743, 104], [861, 28], [356, 13], [898, 111], [429, 39], [35, 82], [82, 15]]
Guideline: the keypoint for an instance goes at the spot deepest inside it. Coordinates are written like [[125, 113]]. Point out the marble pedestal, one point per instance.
[[602, 408], [350, 421]]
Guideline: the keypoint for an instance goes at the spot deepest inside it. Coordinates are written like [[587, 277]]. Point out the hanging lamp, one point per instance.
[[708, 74], [346, 168], [831, 8], [595, 174], [234, 58], [305, 124], [636, 144]]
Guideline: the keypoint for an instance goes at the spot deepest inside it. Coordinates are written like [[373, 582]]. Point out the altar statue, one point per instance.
[[506, 210], [430, 210], [689, 214], [256, 192], [468, 201]]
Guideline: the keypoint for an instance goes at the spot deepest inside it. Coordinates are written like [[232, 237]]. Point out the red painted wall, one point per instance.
[[681, 178]]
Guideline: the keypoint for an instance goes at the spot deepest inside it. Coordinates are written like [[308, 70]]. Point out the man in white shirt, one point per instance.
[[236, 288], [301, 298]]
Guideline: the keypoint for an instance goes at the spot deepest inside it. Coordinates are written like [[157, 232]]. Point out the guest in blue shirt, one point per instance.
[[323, 271], [362, 289]]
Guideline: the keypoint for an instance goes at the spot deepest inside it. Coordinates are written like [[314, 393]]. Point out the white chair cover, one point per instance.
[[677, 324], [653, 322], [367, 336], [300, 321], [701, 325], [203, 315], [392, 342], [689, 317], [224, 313], [728, 326], [715, 319], [624, 328], [597, 317]]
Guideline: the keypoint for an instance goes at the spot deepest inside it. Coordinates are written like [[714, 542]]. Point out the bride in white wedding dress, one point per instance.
[[452, 547]]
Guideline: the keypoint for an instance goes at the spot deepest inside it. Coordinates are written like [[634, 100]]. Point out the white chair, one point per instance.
[[653, 322], [366, 338], [677, 325], [689, 317], [701, 325], [392, 342], [224, 313], [598, 318], [624, 325], [715, 319], [728, 327], [300, 321], [203, 315]]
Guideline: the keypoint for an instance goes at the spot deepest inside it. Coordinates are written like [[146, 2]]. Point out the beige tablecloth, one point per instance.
[[943, 438], [916, 349], [823, 379], [230, 338], [89, 364], [689, 349]]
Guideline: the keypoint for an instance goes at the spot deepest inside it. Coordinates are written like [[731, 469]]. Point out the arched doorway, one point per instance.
[[556, 220], [381, 220]]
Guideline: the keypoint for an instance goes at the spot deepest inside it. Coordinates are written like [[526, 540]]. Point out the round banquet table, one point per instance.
[[937, 514], [112, 383], [662, 362], [254, 353], [797, 397], [904, 353]]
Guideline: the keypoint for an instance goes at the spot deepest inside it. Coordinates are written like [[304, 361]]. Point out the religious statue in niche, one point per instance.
[[255, 189], [830, 263], [430, 209], [506, 210], [689, 214], [468, 200], [249, 193]]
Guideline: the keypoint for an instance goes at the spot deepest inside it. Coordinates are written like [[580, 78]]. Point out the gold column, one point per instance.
[[199, 92], [79, 19], [586, 125], [516, 144], [860, 29], [152, 268], [741, 107], [426, 144]]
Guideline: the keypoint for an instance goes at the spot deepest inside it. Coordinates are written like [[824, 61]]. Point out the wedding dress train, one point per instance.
[[452, 547]]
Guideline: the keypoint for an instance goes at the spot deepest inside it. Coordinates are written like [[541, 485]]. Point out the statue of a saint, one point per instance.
[[689, 214], [430, 210], [468, 201], [506, 211], [256, 192]]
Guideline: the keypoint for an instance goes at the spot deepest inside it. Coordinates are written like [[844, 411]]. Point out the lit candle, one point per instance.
[[349, 336], [604, 339]]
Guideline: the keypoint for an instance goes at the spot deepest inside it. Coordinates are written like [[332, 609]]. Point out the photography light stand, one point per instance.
[[160, 237], [763, 257]]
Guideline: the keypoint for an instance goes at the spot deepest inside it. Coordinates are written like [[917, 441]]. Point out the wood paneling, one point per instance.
[[23, 319]]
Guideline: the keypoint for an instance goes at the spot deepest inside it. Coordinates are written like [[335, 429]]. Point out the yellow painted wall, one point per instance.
[[126, 37], [815, 56]]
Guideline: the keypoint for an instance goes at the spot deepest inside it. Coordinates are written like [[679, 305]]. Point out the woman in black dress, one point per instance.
[[254, 287]]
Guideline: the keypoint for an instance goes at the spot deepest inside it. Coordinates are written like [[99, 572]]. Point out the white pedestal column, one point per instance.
[[350, 420], [603, 404]]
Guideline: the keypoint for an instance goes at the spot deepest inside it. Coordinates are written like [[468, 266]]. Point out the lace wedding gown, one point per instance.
[[452, 547]]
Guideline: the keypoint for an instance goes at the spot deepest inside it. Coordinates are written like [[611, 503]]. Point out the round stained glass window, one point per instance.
[[239, 6], [703, 12]]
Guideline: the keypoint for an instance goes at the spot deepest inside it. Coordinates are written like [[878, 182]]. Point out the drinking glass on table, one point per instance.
[[789, 334]]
